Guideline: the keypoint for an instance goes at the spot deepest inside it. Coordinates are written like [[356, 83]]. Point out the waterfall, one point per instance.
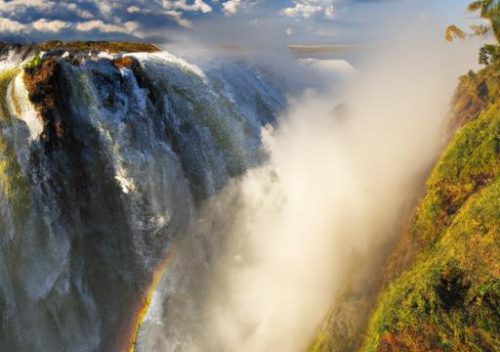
[[104, 161]]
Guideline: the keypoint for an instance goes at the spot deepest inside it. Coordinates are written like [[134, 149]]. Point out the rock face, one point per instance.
[[41, 83], [474, 93], [440, 287], [103, 160]]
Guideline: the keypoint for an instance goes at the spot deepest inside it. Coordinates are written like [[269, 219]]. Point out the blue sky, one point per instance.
[[162, 20]]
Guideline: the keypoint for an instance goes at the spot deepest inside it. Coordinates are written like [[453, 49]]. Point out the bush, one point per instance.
[[34, 63]]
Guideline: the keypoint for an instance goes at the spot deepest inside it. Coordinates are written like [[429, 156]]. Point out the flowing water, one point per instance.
[[88, 218], [150, 204]]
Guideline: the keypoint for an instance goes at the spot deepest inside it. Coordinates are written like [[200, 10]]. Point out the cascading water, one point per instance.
[[149, 205], [103, 162]]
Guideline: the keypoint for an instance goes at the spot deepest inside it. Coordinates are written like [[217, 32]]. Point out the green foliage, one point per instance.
[[448, 300], [453, 32], [489, 54], [445, 288], [472, 156], [319, 343], [490, 11], [34, 63], [468, 164]]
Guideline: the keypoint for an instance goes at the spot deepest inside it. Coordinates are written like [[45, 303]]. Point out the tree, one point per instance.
[[489, 10]]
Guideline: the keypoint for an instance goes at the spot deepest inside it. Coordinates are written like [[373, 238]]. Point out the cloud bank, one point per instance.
[[308, 8], [161, 21]]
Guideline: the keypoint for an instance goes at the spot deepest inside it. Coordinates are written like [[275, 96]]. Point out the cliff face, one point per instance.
[[105, 154], [440, 287]]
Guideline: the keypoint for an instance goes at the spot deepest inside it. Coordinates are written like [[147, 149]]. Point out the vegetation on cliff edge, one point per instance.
[[440, 287], [111, 47], [449, 298]]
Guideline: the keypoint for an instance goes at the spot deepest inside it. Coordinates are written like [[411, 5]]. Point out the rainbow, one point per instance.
[[141, 310]]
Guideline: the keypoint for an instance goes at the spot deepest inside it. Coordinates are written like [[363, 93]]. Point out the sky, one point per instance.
[[164, 21]]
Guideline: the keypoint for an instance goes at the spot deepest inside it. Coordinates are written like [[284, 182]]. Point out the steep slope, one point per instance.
[[439, 289], [448, 299]]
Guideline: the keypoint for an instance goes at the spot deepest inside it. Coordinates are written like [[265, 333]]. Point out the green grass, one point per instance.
[[445, 288], [470, 161], [449, 299], [320, 343]]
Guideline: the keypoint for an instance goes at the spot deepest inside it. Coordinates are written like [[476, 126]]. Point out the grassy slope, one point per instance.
[[440, 287], [447, 301], [448, 298]]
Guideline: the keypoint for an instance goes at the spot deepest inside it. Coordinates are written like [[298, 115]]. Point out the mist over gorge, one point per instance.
[[154, 204], [324, 208], [282, 176]]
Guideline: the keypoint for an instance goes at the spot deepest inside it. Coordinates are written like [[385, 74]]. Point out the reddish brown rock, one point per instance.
[[125, 61]]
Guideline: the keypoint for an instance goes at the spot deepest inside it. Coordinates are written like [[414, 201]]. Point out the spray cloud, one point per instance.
[[341, 168]]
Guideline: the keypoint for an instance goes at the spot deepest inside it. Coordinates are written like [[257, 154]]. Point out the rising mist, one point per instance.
[[267, 256]]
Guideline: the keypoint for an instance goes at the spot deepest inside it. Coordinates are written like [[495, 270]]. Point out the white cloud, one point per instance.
[[230, 7], [79, 12], [304, 10], [39, 9], [44, 25], [23, 5], [53, 26], [309, 8], [196, 6], [127, 27], [11, 26], [106, 16], [105, 8], [177, 17], [329, 12], [174, 9], [133, 9]]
